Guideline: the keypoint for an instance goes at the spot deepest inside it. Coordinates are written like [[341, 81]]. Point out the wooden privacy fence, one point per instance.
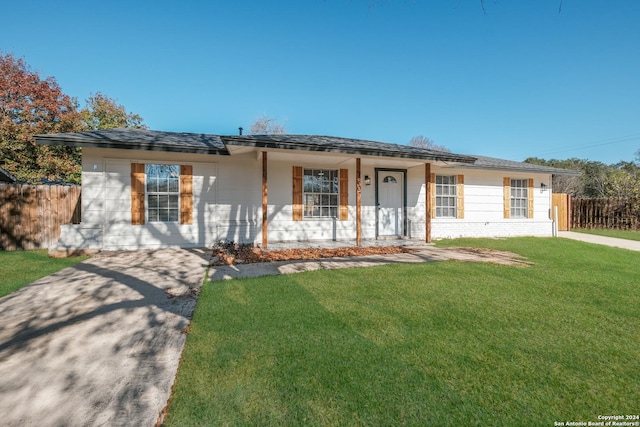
[[562, 202], [31, 215], [622, 214]]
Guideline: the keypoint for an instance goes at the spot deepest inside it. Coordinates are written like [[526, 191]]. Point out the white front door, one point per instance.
[[390, 203]]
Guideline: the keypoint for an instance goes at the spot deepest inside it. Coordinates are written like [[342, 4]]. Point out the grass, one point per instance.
[[620, 234], [19, 268], [430, 344]]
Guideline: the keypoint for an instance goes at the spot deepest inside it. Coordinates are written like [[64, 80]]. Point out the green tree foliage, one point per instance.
[[102, 112], [30, 105], [621, 179]]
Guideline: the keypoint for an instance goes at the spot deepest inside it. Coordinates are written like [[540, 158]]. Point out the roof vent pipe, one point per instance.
[[240, 130]]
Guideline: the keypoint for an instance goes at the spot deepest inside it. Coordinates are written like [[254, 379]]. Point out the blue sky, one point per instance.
[[517, 80]]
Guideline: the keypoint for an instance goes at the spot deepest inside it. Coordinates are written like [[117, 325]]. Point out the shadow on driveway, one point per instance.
[[98, 343]]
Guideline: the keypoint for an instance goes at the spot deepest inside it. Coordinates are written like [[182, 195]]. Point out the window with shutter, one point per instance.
[[320, 193]]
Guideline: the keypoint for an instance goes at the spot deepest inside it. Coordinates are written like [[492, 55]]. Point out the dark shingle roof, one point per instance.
[[493, 163], [343, 145], [5, 176], [139, 139]]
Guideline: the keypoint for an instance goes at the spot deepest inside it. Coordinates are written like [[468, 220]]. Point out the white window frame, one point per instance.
[[320, 193], [446, 196], [519, 198], [164, 193]]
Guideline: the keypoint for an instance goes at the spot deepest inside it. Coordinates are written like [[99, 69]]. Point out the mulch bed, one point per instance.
[[229, 253]]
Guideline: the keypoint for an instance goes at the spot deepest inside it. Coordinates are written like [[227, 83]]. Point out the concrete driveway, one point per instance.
[[98, 343]]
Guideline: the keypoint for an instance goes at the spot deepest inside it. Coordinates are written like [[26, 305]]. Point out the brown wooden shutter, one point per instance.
[[186, 194], [344, 194], [137, 193], [530, 197], [432, 184], [297, 193], [506, 183], [460, 196]]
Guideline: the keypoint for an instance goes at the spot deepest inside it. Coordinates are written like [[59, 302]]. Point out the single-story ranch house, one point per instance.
[[152, 189]]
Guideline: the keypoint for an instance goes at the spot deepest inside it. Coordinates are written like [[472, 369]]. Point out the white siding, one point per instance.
[[227, 202], [280, 213], [106, 202], [484, 210]]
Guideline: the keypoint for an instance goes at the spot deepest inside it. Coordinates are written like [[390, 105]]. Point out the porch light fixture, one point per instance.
[[367, 180], [543, 187]]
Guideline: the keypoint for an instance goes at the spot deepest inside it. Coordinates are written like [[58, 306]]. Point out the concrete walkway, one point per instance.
[[632, 245], [422, 253], [98, 343]]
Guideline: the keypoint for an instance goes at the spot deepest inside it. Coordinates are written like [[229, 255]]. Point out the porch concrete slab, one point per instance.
[[421, 253], [98, 343], [631, 245]]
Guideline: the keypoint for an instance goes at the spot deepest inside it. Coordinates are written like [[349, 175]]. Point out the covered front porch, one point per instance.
[[375, 200]]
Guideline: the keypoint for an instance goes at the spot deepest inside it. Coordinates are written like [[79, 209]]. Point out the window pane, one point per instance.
[[308, 183], [320, 188], [153, 202], [163, 197], [333, 212]]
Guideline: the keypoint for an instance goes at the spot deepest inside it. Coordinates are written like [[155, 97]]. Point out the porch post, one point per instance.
[[264, 199], [427, 201], [358, 205]]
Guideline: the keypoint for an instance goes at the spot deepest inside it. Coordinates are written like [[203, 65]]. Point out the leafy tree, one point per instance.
[[265, 125], [30, 105], [597, 179], [573, 185], [102, 112], [623, 180], [421, 141]]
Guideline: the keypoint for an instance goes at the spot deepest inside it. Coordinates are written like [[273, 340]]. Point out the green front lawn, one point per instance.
[[620, 234], [445, 343], [19, 268]]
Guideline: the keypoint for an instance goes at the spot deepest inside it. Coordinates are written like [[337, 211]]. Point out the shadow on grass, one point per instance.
[[256, 357]]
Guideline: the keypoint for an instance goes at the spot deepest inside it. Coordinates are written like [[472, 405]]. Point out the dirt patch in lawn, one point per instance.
[[235, 253], [490, 255]]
